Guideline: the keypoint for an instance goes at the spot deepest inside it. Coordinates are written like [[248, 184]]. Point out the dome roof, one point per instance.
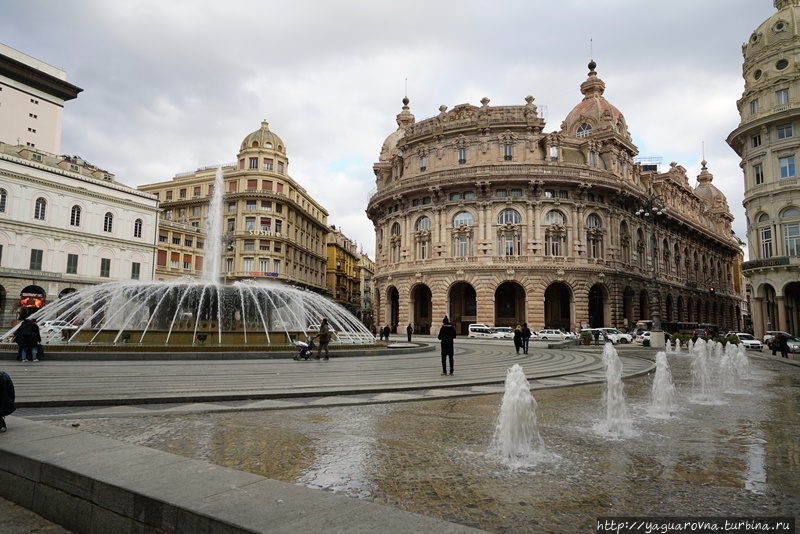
[[783, 25], [715, 198], [594, 110], [263, 138], [404, 118]]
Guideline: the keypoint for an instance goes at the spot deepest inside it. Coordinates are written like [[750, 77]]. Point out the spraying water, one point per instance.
[[516, 435], [701, 368], [663, 390], [213, 226], [617, 423]]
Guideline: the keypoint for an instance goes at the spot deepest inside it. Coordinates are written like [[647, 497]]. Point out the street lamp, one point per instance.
[[228, 245], [650, 207]]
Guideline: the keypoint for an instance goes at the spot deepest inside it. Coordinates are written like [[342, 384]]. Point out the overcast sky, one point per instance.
[[173, 85]]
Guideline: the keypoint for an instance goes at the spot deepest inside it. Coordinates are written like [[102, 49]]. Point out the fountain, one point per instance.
[[199, 313], [516, 436], [677, 346], [663, 390], [617, 422]]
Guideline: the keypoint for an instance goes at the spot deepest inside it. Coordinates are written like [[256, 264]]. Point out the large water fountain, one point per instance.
[[199, 313]]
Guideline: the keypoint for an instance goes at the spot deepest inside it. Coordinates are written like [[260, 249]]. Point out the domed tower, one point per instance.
[[263, 144], [768, 142]]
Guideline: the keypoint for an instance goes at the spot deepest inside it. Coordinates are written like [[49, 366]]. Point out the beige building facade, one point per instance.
[[768, 142], [482, 216], [343, 272], [271, 228]]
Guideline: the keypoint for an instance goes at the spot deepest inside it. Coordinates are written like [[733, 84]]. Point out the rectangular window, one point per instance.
[[277, 247], [36, 259], [162, 239], [766, 243], [249, 224], [182, 193], [278, 208], [231, 207], [248, 264], [254, 163], [250, 205], [266, 224], [266, 205], [423, 163], [249, 245], [755, 141], [263, 265], [758, 174], [233, 186], [196, 191], [135, 270], [782, 97], [195, 211], [280, 167], [263, 245], [268, 165], [501, 193], [516, 192], [753, 106], [105, 267], [276, 266], [279, 187], [508, 155], [199, 244], [187, 242], [278, 226], [231, 225], [176, 240], [72, 264], [791, 234], [787, 167], [252, 185], [168, 195], [462, 155], [784, 131]]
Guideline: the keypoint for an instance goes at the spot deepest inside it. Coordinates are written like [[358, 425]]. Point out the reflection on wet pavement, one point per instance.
[[739, 455]]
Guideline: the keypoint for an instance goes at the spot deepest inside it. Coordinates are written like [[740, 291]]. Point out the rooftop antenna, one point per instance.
[[406, 91]]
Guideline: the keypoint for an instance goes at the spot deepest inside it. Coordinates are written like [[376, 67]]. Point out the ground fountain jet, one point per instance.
[[203, 314], [617, 423], [516, 437], [662, 392]]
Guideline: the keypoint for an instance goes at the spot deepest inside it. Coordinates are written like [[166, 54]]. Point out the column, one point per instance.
[[758, 317], [782, 324]]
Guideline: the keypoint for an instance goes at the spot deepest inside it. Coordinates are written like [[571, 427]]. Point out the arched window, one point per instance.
[[137, 228], [791, 231], [40, 210], [422, 236], [555, 236], [509, 217], [594, 236], [641, 248], [463, 242], [625, 242], [396, 229], [584, 130], [108, 222], [3, 195], [75, 216], [463, 217]]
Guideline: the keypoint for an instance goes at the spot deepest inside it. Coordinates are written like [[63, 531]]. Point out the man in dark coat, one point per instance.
[[409, 331], [386, 332], [447, 334]]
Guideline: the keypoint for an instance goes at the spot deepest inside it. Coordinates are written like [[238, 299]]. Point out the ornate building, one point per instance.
[[765, 140], [482, 216], [343, 273], [65, 224], [272, 228]]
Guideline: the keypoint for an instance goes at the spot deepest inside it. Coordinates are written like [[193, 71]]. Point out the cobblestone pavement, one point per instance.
[[729, 453]]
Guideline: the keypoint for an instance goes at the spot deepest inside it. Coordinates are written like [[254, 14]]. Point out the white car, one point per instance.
[[644, 335], [479, 330], [54, 326], [748, 341], [547, 334], [502, 332], [616, 337]]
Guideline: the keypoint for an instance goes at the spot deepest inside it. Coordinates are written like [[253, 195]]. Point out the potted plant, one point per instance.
[[586, 337]]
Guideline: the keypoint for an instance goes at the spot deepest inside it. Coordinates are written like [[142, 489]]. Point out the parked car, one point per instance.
[[479, 330], [615, 336], [644, 335], [54, 326], [502, 332], [748, 341], [794, 344], [769, 334], [550, 333]]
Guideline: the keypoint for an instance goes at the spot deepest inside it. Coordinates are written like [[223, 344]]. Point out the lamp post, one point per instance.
[[228, 245], [650, 207]]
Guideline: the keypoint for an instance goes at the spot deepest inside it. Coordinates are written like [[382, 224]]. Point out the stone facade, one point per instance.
[[271, 227], [343, 273], [768, 141], [482, 216]]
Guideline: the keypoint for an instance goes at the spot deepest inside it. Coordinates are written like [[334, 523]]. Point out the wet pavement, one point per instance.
[[731, 453]]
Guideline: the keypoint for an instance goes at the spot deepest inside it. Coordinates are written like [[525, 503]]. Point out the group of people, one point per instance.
[[383, 332], [522, 337], [28, 340], [779, 343]]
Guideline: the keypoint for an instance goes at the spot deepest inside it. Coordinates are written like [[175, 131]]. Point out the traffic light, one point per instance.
[[711, 290]]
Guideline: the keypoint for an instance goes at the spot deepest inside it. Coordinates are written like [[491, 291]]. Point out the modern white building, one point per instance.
[[64, 223]]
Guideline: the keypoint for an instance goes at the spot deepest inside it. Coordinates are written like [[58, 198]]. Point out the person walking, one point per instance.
[[409, 331], [783, 346], [518, 338], [447, 334], [526, 337], [36, 342], [324, 336], [386, 332], [597, 337], [375, 332]]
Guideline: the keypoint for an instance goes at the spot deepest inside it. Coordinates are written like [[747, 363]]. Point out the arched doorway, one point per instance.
[[31, 300], [598, 303], [644, 305], [557, 307], [509, 304], [463, 306], [422, 306], [670, 316], [628, 319], [680, 315], [393, 313], [791, 300]]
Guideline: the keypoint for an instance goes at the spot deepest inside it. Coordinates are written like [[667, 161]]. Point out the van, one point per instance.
[[479, 330]]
